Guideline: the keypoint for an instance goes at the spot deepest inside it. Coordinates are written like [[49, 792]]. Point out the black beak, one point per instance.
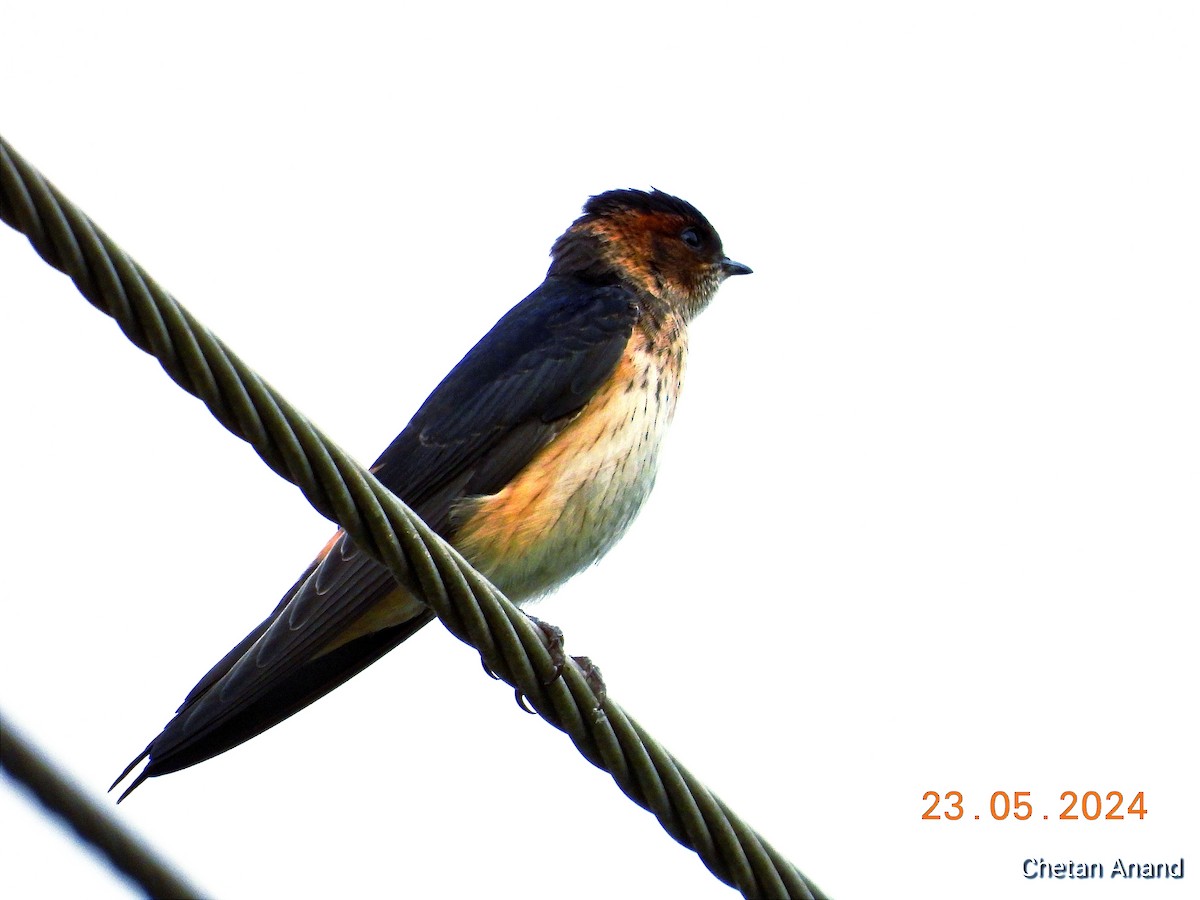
[[729, 267]]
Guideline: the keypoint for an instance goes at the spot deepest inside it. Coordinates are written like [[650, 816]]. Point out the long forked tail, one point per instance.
[[184, 743]]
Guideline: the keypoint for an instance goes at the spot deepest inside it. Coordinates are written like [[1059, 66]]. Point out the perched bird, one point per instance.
[[531, 457]]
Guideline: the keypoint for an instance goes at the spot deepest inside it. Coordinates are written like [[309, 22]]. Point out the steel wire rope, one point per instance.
[[62, 796]]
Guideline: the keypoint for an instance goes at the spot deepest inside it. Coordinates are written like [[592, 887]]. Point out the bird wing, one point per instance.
[[507, 398], [511, 394]]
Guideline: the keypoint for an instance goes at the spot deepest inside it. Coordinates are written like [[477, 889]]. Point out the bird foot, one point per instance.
[[554, 644], [591, 672]]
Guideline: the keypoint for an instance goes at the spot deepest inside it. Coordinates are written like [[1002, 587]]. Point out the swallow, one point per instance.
[[531, 458]]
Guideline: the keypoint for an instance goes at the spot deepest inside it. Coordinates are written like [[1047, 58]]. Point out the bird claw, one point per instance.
[[520, 696]]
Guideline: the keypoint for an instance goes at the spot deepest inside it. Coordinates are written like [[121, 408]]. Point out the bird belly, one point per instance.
[[574, 500]]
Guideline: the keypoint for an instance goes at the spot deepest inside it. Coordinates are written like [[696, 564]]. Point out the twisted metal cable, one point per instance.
[[92, 822], [469, 606]]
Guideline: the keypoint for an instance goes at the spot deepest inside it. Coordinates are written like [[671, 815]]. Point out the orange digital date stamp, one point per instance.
[[1090, 806]]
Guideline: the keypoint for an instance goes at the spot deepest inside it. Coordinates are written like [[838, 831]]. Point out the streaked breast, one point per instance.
[[575, 499]]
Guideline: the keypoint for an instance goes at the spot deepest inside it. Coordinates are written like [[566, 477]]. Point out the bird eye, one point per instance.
[[691, 237]]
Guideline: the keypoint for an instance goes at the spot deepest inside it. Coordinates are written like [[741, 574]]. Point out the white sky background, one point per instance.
[[927, 520]]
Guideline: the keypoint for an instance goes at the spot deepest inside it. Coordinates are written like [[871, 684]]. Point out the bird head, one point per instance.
[[658, 244]]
